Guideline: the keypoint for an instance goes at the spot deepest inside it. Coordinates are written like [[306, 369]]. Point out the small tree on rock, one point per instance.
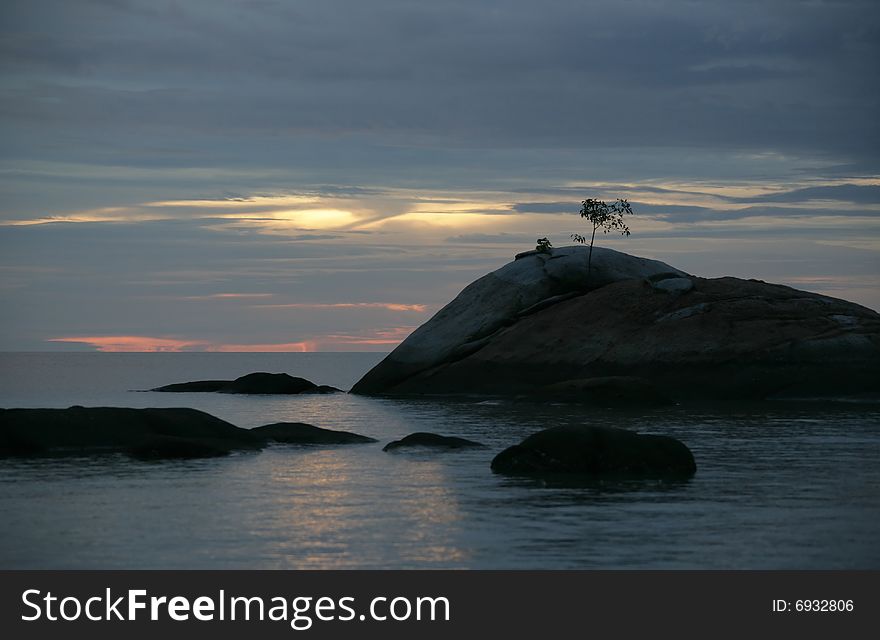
[[608, 217], [544, 246]]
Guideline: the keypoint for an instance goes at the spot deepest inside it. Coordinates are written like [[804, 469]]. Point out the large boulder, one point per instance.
[[141, 432], [610, 391], [166, 447], [302, 433], [533, 281], [597, 452], [259, 383], [695, 339]]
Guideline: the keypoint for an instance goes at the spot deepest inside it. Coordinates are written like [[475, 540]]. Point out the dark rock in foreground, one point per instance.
[[540, 326], [169, 447], [432, 440], [597, 452], [141, 432], [302, 433], [253, 383]]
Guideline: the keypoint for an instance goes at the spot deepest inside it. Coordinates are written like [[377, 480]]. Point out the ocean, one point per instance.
[[779, 487]]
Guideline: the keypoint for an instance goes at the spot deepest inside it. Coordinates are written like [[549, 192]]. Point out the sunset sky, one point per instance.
[[222, 175]]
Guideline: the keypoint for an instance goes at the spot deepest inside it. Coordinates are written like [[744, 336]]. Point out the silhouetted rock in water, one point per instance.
[[252, 383], [302, 433], [430, 440], [597, 452], [269, 383], [538, 322], [322, 389], [141, 432], [199, 386]]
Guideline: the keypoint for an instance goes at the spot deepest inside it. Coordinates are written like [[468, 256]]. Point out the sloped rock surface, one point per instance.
[[722, 338], [519, 289]]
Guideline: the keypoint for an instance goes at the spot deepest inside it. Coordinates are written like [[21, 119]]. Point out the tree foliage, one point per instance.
[[544, 246], [608, 217]]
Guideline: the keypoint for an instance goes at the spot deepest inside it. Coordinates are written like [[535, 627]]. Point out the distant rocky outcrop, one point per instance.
[[597, 452], [431, 440], [302, 433], [252, 383], [146, 433], [637, 331]]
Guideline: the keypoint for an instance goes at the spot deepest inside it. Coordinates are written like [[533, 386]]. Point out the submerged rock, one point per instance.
[[302, 433], [423, 439], [252, 383], [597, 452], [539, 322], [141, 432]]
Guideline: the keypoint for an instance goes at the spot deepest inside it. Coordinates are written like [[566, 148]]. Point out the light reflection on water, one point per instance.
[[777, 489]]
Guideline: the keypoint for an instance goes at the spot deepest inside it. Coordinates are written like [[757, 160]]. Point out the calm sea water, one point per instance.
[[795, 487]]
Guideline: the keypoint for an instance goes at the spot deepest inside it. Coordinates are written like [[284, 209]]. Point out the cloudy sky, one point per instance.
[[325, 174]]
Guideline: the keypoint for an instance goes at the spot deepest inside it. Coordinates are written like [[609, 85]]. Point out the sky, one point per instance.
[[232, 175]]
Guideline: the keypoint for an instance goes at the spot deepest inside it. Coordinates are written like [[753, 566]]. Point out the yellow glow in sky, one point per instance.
[[299, 219], [316, 218]]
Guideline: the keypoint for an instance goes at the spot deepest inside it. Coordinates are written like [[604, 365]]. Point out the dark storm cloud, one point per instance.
[[693, 213], [489, 238], [854, 193], [544, 207], [476, 106], [852, 196], [784, 75], [686, 214]]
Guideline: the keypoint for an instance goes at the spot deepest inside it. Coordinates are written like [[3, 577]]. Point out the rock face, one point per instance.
[[140, 432], [534, 328], [432, 440], [611, 391], [597, 452], [252, 383], [524, 287], [302, 433]]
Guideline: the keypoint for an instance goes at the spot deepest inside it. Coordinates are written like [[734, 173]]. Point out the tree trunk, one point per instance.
[[590, 255]]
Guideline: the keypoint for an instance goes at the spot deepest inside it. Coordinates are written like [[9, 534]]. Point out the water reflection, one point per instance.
[[775, 488], [585, 487]]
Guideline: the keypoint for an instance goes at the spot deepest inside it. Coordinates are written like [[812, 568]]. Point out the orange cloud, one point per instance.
[[153, 344], [391, 306], [367, 341], [389, 336], [283, 347], [226, 296], [132, 343]]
